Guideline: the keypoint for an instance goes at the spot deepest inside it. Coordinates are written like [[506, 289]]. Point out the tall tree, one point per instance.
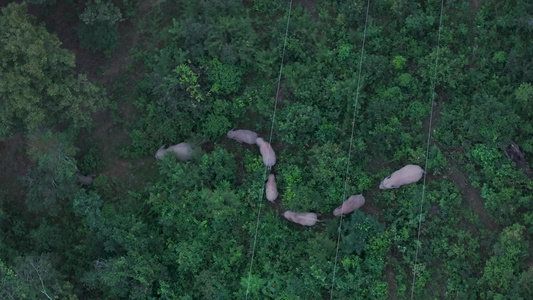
[[99, 29], [53, 178], [37, 82], [34, 277]]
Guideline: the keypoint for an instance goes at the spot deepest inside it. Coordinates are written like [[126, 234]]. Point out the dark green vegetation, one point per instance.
[[197, 68], [38, 86]]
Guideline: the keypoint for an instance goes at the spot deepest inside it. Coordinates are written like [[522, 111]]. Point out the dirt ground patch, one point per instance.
[[472, 196], [475, 7], [14, 165], [391, 282], [111, 137]]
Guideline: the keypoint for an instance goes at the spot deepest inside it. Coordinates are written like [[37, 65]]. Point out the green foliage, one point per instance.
[[501, 275], [216, 126], [130, 8], [100, 11], [503, 122], [99, 30], [182, 80], [218, 167], [503, 199], [189, 80], [98, 37], [53, 179], [89, 157], [399, 62], [436, 160], [33, 277], [297, 123], [128, 277], [358, 231], [362, 274], [318, 184], [50, 94], [499, 57], [88, 206], [225, 79], [524, 93], [201, 68], [523, 96], [173, 103], [10, 284], [485, 156], [294, 191]]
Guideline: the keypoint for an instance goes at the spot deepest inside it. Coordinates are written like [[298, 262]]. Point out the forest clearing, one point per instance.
[[259, 149]]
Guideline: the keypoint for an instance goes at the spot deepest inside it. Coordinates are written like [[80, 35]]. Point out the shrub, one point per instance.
[[99, 30]]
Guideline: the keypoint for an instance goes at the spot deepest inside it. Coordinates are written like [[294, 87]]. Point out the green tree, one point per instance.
[[358, 231], [34, 277], [297, 123], [225, 79], [502, 273], [99, 30], [37, 83], [53, 178]]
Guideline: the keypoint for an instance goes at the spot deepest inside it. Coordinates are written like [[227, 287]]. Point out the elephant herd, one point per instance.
[[406, 175]]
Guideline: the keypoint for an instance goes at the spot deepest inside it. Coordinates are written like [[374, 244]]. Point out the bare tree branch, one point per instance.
[[42, 283], [9, 294]]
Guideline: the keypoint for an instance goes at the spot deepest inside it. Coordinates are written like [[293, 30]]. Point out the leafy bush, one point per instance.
[[217, 167], [215, 126], [298, 123], [51, 93], [358, 231], [90, 158], [99, 30], [101, 11], [130, 8], [225, 79], [98, 37], [502, 270]]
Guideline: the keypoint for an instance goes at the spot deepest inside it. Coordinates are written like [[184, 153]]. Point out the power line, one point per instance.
[[270, 142], [350, 149], [431, 98]]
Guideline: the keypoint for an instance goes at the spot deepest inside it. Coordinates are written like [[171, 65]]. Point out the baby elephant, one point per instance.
[[271, 188], [305, 219], [243, 135], [182, 150], [269, 157], [353, 203], [406, 175]]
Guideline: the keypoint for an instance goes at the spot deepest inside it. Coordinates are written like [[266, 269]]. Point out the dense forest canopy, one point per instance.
[[90, 90]]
